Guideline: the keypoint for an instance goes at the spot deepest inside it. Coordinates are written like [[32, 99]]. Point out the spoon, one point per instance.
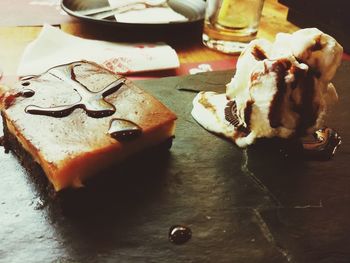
[[107, 11]]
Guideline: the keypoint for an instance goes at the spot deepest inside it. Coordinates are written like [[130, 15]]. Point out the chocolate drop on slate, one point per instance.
[[323, 145], [179, 234]]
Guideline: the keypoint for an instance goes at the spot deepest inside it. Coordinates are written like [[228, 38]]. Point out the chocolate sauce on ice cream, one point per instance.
[[322, 145], [281, 89]]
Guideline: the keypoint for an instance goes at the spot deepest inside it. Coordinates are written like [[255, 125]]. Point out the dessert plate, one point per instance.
[[191, 11], [242, 205]]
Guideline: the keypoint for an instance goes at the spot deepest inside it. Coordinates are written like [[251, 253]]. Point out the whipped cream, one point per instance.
[[280, 89]]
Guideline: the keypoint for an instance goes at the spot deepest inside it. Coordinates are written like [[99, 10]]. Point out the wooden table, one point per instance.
[[13, 40]]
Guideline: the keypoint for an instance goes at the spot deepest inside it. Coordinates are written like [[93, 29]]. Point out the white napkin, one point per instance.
[[146, 15], [54, 47]]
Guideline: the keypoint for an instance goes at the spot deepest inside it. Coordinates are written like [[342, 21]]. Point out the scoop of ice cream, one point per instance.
[[280, 89], [311, 46]]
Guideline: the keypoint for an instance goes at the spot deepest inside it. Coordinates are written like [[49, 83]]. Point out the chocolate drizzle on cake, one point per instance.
[[28, 77], [27, 93], [322, 145], [10, 99], [25, 83], [124, 130], [93, 103]]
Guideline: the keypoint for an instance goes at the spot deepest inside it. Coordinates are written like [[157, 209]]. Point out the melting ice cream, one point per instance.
[[280, 89]]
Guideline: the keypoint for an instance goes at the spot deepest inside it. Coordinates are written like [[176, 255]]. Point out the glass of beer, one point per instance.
[[230, 25]]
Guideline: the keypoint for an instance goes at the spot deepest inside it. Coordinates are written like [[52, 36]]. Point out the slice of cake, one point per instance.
[[76, 120]]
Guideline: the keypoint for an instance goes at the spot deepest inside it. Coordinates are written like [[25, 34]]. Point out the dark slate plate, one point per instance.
[[243, 205]]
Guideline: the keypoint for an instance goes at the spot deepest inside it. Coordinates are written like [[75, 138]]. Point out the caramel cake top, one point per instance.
[[78, 108]]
